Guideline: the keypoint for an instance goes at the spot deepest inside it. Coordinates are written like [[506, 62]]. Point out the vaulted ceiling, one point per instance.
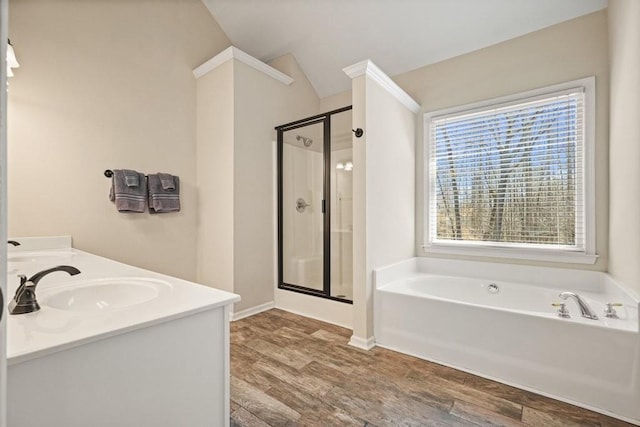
[[398, 35]]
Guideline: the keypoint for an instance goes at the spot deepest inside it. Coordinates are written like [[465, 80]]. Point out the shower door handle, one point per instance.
[[323, 207]]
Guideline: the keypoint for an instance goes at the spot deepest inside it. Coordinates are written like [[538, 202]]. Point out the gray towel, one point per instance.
[[128, 198], [161, 199], [167, 181], [131, 178]]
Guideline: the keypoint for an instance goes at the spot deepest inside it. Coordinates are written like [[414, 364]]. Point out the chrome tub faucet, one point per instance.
[[585, 310]]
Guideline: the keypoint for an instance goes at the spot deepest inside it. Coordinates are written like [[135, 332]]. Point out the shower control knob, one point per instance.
[[301, 205]]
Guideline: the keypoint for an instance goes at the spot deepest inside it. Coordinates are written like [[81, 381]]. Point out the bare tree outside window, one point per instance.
[[509, 174]]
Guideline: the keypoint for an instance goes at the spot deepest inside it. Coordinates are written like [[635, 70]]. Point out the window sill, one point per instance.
[[509, 253]]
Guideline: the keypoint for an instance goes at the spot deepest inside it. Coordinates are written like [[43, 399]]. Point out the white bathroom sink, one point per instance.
[[104, 294], [24, 257]]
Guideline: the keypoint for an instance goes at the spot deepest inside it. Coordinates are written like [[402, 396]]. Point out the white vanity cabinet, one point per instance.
[[161, 362], [170, 374]]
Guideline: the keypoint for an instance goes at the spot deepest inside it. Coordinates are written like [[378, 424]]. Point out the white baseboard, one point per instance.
[[251, 311], [364, 344]]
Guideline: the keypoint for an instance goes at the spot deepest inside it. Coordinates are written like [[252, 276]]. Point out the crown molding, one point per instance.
[[367, 67], [233, 52], [214, 62], [357, 69]]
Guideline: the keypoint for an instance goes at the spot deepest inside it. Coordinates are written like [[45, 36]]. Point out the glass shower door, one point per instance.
[[315, 213], [302, 216], [341, 195]]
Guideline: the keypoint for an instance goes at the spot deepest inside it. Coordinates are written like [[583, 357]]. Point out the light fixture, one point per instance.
[[348, 166], [12, 62], [340, 165]]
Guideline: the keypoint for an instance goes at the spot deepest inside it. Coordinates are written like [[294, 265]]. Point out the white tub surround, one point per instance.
[[326, 310], [115, 345], [447, 311]]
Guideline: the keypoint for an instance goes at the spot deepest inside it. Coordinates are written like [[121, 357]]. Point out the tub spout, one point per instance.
[[585, 310]]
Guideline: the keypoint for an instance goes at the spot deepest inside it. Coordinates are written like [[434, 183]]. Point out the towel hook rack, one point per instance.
[[109, 173], [359, 132]]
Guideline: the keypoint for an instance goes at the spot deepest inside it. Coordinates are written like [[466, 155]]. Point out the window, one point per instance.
[[513, 177]]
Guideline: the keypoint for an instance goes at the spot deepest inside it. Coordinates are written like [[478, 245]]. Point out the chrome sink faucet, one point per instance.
[[585, 310], [24, 300]]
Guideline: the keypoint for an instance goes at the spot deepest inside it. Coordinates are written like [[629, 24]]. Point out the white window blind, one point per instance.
[[510, 174]]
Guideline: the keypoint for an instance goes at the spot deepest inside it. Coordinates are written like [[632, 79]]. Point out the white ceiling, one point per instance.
[[398, 35]]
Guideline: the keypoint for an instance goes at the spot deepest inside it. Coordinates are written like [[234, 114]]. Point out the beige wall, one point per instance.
[[383, 193], [391, 177], [260, 104], [103, 85], [297, 100], [624, 198], [336, 101], [564, 52], [237, 222], [215, 164], [362, 291]]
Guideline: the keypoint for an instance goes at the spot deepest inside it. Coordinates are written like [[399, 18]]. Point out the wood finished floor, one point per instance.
[[288, 370]]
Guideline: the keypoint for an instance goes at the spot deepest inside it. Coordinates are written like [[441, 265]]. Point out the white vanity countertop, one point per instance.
[[54, 329]]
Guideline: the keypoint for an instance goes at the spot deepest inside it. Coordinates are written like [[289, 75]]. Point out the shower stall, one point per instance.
[[315, 205]]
